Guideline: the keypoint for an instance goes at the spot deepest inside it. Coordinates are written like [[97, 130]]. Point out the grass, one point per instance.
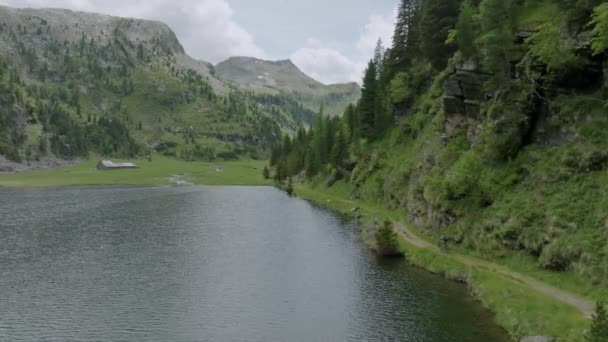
[[156, 172], [518, 308]]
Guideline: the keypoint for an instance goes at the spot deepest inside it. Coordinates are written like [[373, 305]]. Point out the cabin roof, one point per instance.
[[109, 163]]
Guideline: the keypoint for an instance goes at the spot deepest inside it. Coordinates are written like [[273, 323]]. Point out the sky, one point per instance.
[[330, 40]]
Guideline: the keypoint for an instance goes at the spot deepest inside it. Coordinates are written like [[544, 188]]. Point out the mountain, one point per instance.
[[284, 77], [72, 83]]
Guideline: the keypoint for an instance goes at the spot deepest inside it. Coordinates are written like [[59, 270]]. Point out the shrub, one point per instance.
[[599, 326], [558, 255], [289, 188], [266, 172], [386, 241]]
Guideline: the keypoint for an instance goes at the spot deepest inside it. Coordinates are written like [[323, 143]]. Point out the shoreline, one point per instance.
[[161, 171], [45, 163], [518, 307]]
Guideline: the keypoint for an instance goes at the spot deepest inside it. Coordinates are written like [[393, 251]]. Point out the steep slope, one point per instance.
[[283, 77], [498, 147], [124, 72]]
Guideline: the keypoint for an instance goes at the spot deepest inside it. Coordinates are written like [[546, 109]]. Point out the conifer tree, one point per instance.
[[496, 23], [339, 150], [599, 325], [438, 18], [266, 172], [367, 102], [465, 30], [404, 37]]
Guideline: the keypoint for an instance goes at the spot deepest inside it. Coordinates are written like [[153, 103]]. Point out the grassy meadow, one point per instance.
[[157, 172]]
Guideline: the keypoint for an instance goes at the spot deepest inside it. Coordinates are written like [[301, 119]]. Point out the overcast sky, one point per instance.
[[330, 40]]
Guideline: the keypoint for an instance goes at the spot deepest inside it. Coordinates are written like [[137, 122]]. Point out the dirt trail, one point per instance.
[[585, 306]]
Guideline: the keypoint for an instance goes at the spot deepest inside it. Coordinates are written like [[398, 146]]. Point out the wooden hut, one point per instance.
[[109, 165]]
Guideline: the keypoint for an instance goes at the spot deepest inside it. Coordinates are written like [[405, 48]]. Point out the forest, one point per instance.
[[486, 122], [107, 94]]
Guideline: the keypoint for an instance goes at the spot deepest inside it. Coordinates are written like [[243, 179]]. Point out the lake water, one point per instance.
[[209, 264]]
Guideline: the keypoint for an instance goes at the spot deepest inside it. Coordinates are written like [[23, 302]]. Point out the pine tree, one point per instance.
[[438, 18], [382, 108], [289, 188], [386, 240], [600, 29], [497, 25], [404, 37], [599, 326], [465, 30], [266, 172], [311, 166], [350, 119], [379, 57], [339, 150], [367, 102]]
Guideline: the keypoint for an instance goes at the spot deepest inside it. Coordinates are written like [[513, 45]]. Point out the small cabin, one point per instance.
[[109, 165]]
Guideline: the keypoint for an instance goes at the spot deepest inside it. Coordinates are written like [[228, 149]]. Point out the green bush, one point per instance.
[[599, 326], [386, 241]]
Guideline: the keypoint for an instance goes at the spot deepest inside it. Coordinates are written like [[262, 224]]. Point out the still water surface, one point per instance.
[[209, 264]]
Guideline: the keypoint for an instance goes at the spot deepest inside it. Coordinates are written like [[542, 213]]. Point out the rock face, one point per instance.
[[60, 25], [464, 90]]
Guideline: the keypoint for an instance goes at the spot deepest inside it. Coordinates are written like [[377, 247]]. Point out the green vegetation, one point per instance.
[[387, 243], [520, 309], [600, 29], [599, 326], [125, 88], [498, 148], [284, 79], [160, 171]]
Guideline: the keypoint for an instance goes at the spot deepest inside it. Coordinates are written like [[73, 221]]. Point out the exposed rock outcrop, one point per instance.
[[464, 90]]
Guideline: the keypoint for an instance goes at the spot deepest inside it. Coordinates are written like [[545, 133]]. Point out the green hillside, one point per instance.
[[283, 77], [67, 76], [484, 124]]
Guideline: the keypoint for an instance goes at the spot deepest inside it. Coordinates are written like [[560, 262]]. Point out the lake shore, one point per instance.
[[159, 171], [45, 163], [523, 310], [520, 309]]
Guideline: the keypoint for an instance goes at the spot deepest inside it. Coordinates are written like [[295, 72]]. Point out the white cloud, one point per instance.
[[206, 28], [329, 65]]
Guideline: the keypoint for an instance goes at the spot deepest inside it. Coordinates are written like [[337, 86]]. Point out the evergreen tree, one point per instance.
[[289, 188], [386, 240], [350, 122], [379, 57], [405, 42], [465, 30], [382, 109], [339, 150], [266, 172], [599, 326], [367, 102], [311, 164], [438, 18], [497, 23], [600, 29]]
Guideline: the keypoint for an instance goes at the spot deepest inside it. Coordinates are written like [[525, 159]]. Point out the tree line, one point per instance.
[[427, 34]]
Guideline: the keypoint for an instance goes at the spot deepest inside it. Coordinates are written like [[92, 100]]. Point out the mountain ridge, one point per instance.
[[68, 77], [283, 76]]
